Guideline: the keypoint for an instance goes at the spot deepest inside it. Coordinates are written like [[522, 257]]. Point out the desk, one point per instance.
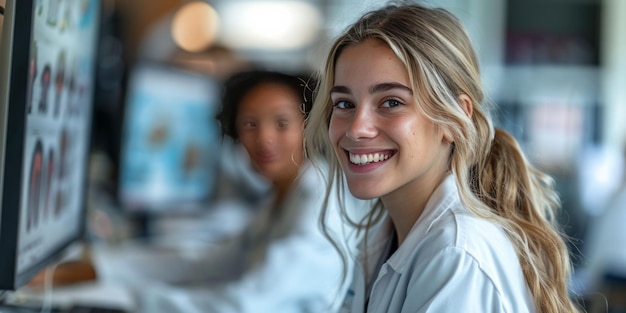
[[131, 270], [89, 294]]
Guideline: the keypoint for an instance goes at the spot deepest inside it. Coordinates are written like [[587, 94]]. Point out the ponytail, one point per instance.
[[524, 202]]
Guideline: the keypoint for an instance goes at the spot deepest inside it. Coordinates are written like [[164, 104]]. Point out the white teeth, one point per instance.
[[362, 159]]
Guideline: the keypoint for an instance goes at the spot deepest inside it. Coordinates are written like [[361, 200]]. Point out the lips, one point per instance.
[[262, 158]]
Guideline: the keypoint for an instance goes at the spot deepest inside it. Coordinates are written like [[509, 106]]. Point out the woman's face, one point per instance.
[[270, 126], [384, 145]]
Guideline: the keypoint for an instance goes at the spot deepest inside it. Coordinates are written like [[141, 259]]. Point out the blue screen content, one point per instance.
[[170, 146]]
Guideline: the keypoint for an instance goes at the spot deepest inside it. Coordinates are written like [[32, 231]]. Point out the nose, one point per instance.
[[265, 135], [362, 125]]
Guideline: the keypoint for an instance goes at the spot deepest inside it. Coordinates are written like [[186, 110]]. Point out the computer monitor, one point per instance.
[[47, 65], [170, 141]]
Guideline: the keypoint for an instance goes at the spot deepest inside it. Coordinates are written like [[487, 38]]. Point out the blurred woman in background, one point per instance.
[[281, 261]]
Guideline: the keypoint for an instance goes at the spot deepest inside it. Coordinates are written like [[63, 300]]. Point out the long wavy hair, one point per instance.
[[494, 178]]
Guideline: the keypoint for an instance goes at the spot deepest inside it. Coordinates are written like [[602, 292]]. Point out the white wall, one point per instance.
[[484, 19], [613, 75]]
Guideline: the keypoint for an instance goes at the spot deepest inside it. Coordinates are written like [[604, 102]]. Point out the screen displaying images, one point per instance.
[[171, 140], [58, 119]]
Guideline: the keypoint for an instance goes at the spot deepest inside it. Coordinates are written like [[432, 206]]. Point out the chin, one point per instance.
[[269, 175], [363, 192]]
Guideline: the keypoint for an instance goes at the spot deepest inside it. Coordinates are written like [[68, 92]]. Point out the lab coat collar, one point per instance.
[[442, 199], [371, 251]]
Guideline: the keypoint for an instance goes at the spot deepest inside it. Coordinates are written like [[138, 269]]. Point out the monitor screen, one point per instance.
[[47, 58], [170, 141]]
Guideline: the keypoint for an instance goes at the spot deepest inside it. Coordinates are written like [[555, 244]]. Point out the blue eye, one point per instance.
[[341, 104], [391, 103]]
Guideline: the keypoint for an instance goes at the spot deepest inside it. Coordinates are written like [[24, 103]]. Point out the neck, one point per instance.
[[281, 190], [406, 205]]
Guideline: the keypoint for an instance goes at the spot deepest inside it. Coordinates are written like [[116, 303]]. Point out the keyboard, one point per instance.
[[73, 309], [94, 309]]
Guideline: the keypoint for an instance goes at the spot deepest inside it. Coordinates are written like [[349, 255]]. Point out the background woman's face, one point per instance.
[[270, 126]]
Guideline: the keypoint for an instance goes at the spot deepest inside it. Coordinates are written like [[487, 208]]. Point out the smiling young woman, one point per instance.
[[462, 221]]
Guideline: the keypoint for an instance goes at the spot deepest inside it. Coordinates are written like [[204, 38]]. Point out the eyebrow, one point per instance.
[[373, 89], [340, 89]]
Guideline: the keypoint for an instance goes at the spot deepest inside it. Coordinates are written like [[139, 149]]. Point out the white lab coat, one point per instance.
[[281, 264], [451, 261]]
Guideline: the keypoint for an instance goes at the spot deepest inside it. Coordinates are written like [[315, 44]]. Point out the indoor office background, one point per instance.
[[554, 68]]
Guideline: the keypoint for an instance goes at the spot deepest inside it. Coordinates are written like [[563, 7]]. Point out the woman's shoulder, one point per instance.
[[314, 173], [460, 240], [447, 223], [483, 239]]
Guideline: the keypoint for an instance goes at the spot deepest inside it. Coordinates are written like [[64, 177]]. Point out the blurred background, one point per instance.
[[554, 68]]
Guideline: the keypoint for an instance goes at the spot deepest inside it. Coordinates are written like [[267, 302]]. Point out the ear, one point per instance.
[[466, 105]]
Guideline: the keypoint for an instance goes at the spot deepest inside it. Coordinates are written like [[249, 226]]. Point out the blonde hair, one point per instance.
[[494, 178]]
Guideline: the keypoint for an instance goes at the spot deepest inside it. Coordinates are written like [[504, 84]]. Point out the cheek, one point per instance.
[[246, 142], [427, 138], [417, 134], [296, 140]]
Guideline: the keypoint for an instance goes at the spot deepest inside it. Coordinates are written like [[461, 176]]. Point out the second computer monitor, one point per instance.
[[170, 144]]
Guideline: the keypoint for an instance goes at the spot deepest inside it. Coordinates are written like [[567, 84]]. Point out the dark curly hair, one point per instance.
[[239, 85]]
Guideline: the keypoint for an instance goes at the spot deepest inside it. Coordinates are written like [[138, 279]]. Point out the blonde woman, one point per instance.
[[462, 222]]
